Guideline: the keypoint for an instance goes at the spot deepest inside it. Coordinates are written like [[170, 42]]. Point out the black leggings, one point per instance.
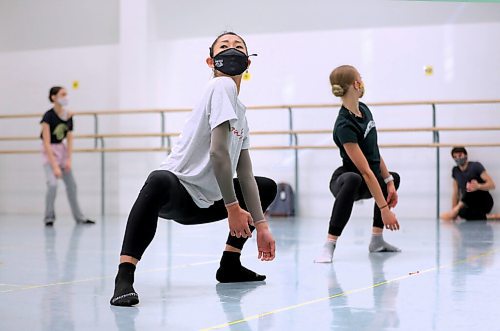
[[348, 187], [477, 205], [163, 195]]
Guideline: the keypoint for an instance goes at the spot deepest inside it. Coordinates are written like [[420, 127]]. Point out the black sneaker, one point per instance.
[[49, 221], [85, 221]]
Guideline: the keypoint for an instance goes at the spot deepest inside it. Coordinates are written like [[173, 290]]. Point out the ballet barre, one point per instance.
[[293, 135], [272, 132]]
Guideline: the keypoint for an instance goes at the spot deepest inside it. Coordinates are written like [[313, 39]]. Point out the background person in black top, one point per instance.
[[470, 199], [363, 173], [57, 125]]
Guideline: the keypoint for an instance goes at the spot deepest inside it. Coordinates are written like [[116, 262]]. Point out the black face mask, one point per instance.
[[231, 61], [461, 161]]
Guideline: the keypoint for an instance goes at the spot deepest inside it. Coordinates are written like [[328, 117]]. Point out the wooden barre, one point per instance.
[[485, 128], [92, 150], [128, 135], [277, 147], [429, 129], [384, 103], [104, 112], [134, 111], [296, 106], [429, 145], [276, 132], [93, 136]]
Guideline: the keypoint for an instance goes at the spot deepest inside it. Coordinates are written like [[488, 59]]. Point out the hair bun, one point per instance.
[[337, 90]]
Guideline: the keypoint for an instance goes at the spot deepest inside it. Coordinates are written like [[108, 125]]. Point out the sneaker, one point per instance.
[[85, 221], [49, 221]]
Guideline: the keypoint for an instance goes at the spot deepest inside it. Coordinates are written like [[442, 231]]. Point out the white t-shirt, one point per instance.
[[190, 157]]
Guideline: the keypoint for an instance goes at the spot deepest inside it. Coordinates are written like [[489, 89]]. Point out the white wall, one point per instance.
[[48, 24], [193, 18], [294, 68], [291, 68], [24, 87]]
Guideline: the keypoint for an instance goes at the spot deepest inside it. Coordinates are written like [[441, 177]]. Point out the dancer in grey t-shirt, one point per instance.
[[195, 184]]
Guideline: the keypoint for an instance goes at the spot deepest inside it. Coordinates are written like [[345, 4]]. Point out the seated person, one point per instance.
[[471, 183]]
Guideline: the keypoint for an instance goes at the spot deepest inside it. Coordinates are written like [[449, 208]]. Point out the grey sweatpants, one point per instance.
[[50, 197]]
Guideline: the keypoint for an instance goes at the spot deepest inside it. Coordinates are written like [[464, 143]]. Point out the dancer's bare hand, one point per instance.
[[448, 216], [239, 220], [389, 219], [67, 165], [472, 186], [392, 195], [57, 171], [265, 242]]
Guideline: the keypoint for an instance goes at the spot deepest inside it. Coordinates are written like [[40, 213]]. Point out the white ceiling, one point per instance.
[[39, 24]]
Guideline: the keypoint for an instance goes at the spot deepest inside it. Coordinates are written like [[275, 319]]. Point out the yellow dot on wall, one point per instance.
[[247, 75], [429, 70], [75, 84]]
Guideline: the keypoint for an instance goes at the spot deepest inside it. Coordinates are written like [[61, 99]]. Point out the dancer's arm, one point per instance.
[[454, 196], [488, 184], [69, 149], [238, 218], [48, 150], [359, 160], [249, 187], [392, 194], [456, 205], [265, 241]]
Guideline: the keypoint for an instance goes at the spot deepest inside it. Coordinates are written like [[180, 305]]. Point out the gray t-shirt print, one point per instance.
[[190, 157]]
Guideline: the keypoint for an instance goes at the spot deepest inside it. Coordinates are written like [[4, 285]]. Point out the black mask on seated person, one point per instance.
[[231, 61], [461, 161]]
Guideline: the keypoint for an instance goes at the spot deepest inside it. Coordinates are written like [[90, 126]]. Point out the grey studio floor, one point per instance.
[[61, 278]]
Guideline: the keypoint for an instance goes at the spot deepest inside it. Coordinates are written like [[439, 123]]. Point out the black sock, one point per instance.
[[125, 294], [231, 270]]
